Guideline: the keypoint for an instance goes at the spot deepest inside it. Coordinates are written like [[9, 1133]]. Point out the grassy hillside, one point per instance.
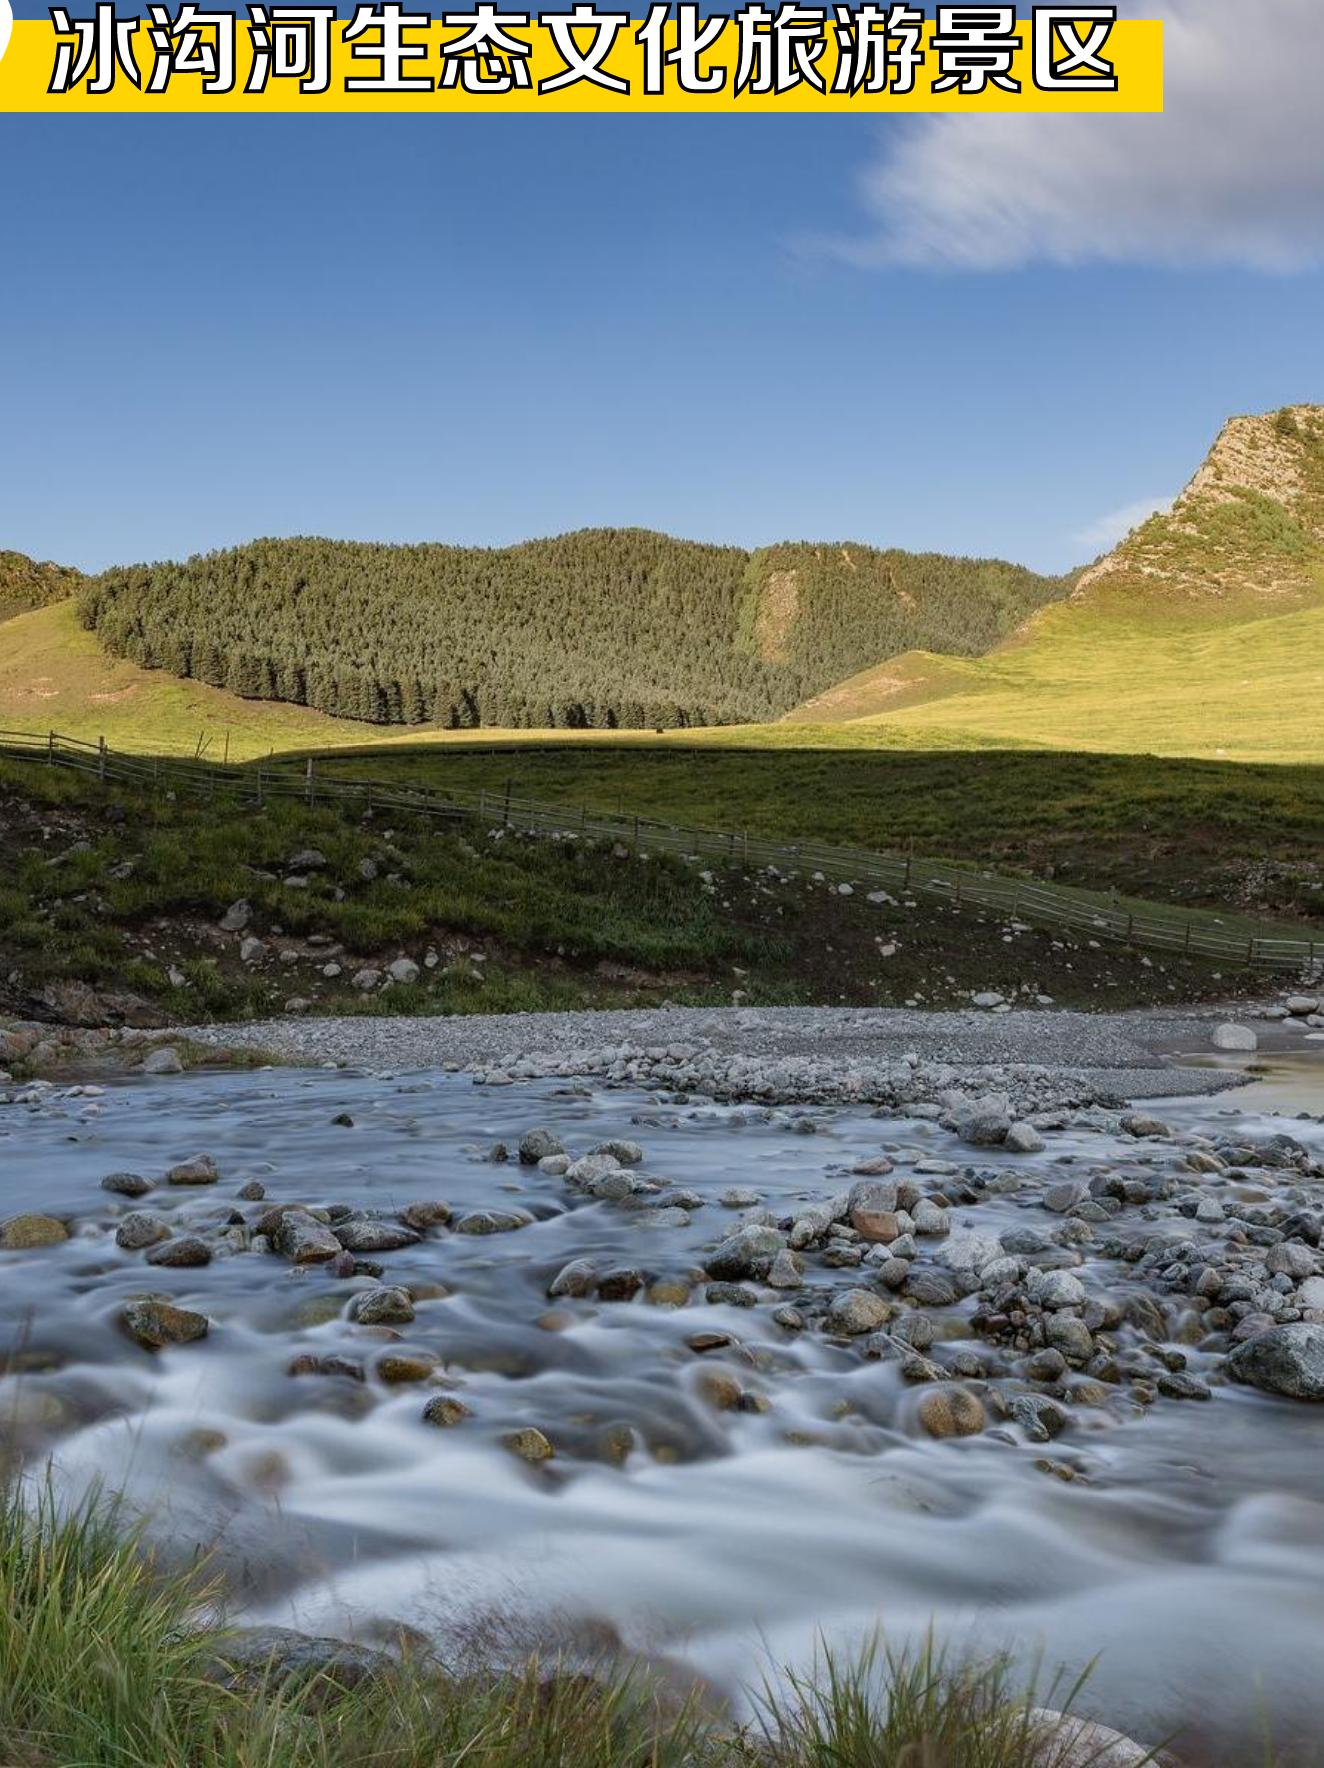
[[1221, 834], [601, 628], [26, 584], [55, 675], [112, 903], [1202, 634]]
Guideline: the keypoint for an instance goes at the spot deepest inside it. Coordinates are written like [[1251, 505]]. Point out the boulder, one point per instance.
[[1234, 1037], [855, 1311], [747, 1253], [255, 1660], [201, 1170], [189, 1251], [367, 1233], [984, 1123], [26, 1233], [126, 1185], [445, 1410], [1023, 1138], [162, 1061], [155, 1324], [387, 1306], [529, 1445], [539, 1144], [301, 1238], [950, 1411], [140, 1229], [1284, 1360]]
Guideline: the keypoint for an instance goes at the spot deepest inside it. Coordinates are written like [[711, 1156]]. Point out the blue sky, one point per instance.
[[732, 329]]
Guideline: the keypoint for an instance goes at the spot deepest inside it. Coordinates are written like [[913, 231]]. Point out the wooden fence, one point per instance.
[[1035, 904]]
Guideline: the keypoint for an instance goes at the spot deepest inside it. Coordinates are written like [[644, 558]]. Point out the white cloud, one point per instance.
[[1102, 535], [1232, 172]]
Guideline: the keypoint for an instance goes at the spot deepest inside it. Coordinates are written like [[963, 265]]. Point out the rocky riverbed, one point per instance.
[[708, 1361]]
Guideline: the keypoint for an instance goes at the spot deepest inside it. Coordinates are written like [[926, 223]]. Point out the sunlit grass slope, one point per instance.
[[1252, 691], [1202, 634]]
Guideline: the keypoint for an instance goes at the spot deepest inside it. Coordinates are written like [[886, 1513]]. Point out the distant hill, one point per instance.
[[601, 628], [1201, 634], [25, 584]]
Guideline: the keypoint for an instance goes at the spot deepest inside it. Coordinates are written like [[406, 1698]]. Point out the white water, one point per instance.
[[1188, 1556]]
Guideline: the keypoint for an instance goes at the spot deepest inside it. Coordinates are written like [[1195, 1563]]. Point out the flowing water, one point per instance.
[[1187, 1553]]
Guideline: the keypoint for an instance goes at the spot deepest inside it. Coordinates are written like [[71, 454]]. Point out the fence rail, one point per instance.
[[1035, 904]]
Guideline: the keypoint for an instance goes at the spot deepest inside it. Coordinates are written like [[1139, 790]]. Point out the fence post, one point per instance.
[[311, 786], [50, 750], [1250, 949], [505, 809], [101, 757], [1187, 946]]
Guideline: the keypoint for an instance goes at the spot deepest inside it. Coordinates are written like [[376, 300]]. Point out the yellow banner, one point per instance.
[[271, 58]]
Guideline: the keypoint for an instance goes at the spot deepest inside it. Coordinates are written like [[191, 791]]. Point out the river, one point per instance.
[[1179, 1545]]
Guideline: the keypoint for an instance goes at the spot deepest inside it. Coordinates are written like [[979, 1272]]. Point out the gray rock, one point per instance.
[[367, 1233], [493, 1221], [575, 1279], [387, 1306], [1055, 1289], [126, 1185], [201, 1170], [623, 1153], [1284, 1360], [236, 917], [786, 1271], [1142, 1125], [403, 970], [1234, 1037], [984, 1123], [162, 1061], [189, 1250], [855, 1311], [747, 1253], [302, 1239], [539, 1144], [1023, 1138], [266, 1659], [141, 1229], [1292, 1258]]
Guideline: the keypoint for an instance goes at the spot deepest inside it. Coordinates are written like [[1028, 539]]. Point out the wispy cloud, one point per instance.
[[1104, 533], [1232, 173]]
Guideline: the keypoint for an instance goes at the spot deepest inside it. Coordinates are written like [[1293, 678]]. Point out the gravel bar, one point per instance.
[[1131, 1054]]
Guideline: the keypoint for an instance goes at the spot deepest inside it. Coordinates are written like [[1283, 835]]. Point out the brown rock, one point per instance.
[[24, 1233], [156, 1324], [951, 1412], [530, 1445]]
